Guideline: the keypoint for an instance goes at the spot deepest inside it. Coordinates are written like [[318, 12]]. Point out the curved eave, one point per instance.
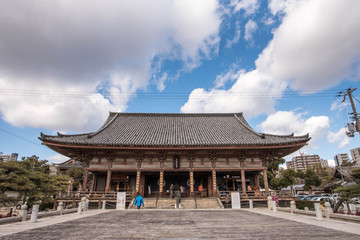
[[74, 146]]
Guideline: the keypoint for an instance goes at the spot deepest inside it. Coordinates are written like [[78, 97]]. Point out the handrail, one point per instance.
[[88, 194]]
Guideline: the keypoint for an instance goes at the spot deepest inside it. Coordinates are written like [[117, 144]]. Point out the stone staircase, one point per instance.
[[207, 203], [186, 203]]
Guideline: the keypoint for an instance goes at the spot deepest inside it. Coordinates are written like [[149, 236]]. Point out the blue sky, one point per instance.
[[65, 64]]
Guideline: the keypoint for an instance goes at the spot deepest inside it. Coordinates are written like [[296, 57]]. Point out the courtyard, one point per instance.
[[180, 224]]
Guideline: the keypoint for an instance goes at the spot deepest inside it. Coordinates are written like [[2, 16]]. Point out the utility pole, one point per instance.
[[352, 127]]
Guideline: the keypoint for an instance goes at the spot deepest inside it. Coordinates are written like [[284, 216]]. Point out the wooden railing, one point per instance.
[[91, 194], [254, 194]]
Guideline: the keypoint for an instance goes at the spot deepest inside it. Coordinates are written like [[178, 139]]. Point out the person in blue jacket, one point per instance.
[[138, 201]]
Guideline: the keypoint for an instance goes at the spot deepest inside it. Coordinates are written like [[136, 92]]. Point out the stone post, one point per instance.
[[269, 201], [83, 201], [80, 208], [274, 206], [328, 210], [104, 205], [23, 212], [60, 208], [251, 204], [292, 207], [34, 213], [318, 211]]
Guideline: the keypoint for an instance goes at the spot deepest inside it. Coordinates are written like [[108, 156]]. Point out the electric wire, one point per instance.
[[172, 95], [15, 135]]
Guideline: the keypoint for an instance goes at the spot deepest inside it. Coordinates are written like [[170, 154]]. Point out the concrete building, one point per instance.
[[9, 157], [304, 161], [355, 154], [339, 158]]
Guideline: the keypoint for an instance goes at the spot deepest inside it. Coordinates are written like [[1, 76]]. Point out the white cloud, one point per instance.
[[339, 137], [57, 158], [230, 75], [236, 37], [249, 6], [286, 122], [331, 162], [243, 96], [269, 21], [250, 29], [282, 6], [338, 106], [314, 48], [89, 46]]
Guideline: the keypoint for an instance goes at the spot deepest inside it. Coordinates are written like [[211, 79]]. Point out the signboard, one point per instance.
[[120, 200], [235, 200]]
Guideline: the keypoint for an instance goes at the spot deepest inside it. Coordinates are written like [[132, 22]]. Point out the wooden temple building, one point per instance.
[[147, 152]]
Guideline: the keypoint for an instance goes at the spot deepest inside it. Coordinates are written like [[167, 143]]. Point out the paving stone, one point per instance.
[[181, 224]]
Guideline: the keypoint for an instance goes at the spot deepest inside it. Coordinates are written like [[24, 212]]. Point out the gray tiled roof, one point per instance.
[[152, 129]]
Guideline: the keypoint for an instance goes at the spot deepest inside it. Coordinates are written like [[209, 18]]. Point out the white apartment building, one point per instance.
[[304, 161], [355, 154], [10, 157], [339, 158]]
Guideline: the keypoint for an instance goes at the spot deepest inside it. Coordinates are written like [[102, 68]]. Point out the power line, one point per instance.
[[173, 95], [13, 134]]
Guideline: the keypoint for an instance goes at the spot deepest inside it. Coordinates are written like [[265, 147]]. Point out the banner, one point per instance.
[[235, 200], [120, 200]]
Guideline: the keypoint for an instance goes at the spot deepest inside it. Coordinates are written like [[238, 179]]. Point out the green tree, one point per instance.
[[311, 178], [273, 169], [14, 178], [288, 178], [31, 180], [77, 175], [346, 163], [349, 192]]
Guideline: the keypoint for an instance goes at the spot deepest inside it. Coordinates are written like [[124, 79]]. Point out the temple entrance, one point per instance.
[[177, 178]]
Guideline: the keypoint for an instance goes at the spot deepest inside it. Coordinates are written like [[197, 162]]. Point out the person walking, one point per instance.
[[138, 201], [201, 189], [171, 190], [178, 198], [182, 190]]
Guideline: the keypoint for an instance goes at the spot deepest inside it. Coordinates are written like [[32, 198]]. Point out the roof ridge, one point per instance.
[[246, 125], [175, 114], [107, 123]]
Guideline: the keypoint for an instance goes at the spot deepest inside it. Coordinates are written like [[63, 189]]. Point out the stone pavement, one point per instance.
[[178, 224]]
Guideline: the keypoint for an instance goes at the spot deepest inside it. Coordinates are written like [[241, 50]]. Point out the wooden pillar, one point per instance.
[[92, 188], [214, 184], [161, 183], [191, 183], [108, 181], [137, 187], [110, 159], [243, 181], [257, 181], [85, 178], [266, 181], [210, 188]]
